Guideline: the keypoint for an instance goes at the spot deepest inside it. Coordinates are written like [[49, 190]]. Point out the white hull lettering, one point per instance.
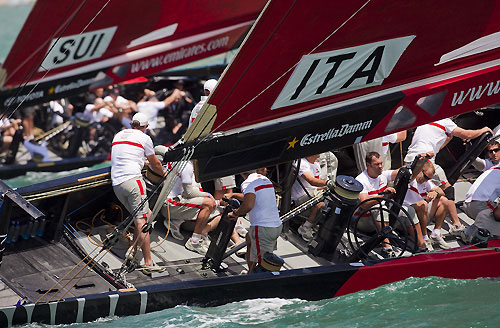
[[475, 93], [345, 129]]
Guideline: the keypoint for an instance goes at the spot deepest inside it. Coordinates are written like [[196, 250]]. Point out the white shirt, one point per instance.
[[56, 108], [372, 186], [386, 140], [429, 138], [486, 187], [128, 154], [265, 211], [305, 166], [151, 109], [196, 110], [417, 192], [98, 115], [120, 101], [186, 178]]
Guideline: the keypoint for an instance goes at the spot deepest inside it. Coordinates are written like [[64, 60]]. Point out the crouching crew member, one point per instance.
[[259, 201]]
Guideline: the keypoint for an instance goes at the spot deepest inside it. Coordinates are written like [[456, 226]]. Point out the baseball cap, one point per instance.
[[210, 85], [141, 118]]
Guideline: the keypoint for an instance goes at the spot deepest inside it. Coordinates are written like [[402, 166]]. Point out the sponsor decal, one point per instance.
[[344, 129], [180, 54], [475, 93], [71, 86], [328, 73], [14, 101], [78, 48]]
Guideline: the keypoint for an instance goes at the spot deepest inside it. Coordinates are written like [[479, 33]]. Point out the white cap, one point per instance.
[[210, 85], [141, 118]]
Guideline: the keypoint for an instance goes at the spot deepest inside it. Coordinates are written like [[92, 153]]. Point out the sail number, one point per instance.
[[323, 74], [78, 48]]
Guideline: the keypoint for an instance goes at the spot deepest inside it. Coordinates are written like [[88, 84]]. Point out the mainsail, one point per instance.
[[315, 76], [66, 47]]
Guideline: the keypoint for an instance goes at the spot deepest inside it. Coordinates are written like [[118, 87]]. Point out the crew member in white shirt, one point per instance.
[[304, 188], [431, 137], [187, 203], [375, 180], [130, 149], [493, 151], [150, 105], [429, 201], [480, 203], [259, 201]]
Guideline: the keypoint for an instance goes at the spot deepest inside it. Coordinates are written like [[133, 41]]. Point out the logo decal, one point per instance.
[[78, 48], [328, 73], [345, 129], [291, 144]]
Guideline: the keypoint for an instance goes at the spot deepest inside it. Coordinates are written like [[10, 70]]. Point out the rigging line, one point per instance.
[[281, 76], [53, 45]]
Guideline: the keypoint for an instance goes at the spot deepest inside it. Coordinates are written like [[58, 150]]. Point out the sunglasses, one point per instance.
[[491, 151], [426, 177]]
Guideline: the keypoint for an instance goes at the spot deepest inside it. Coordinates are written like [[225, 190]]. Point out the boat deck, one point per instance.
[[29, 274]]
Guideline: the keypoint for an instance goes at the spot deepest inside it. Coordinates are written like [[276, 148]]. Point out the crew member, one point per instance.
[[130, 149], [259, 201], [493, 151], [375, 181], [431, 137], [480, 203]]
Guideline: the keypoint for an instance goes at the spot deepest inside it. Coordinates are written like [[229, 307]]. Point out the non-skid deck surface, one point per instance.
[[31, 272]]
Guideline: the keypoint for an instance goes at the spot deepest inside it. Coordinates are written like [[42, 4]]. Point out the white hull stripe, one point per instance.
[[113, 300]]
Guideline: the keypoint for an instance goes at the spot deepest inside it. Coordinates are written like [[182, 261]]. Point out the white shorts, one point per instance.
[[131, 193], [225, 183], [263, 240]]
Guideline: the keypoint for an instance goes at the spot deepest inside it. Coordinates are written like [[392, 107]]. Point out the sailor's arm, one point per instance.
[[469, 134], [479, 164], [155, 164], [189, 191], [176, 95], [245, 207], [312, 180]]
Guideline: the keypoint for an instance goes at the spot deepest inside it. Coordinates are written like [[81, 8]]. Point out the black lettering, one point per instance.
[[64, 49], [82, 40], [376, 57], [306, 78], [337, 60], [97, 44]]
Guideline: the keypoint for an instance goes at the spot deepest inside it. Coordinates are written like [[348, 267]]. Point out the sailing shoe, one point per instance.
[[175, 228], [196, 247], [206, 241], [306, 233], [456, 231], [438, 240], [149, 269], [428, 244]]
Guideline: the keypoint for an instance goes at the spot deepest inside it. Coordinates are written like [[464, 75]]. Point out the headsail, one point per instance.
[[323, 75], [95, 43]]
